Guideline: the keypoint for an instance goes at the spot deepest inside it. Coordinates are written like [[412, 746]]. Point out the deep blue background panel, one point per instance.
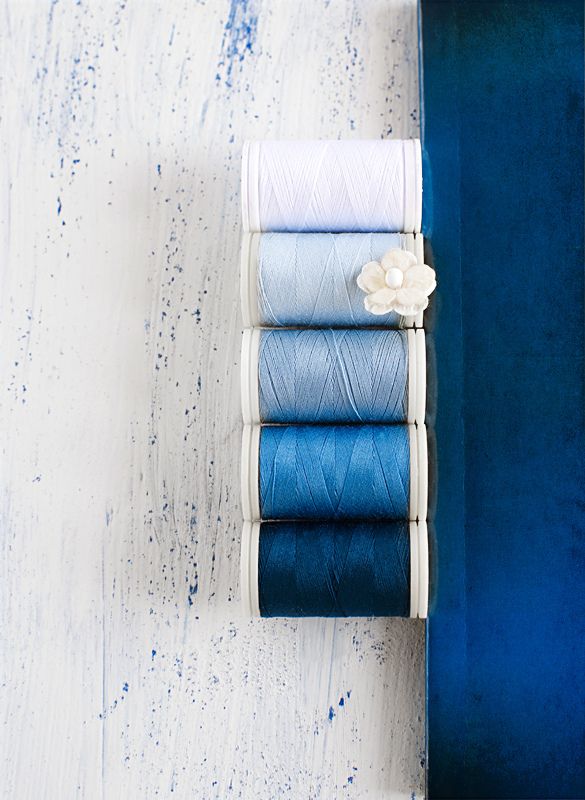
[[502, 87]]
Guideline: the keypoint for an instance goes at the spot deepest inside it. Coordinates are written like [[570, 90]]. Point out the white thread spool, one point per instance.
[[357, 185], [419, 473]]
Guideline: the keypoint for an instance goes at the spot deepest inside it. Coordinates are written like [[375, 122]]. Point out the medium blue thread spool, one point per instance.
[[335, 569], [334, 472], [309, 279], [334, 375]]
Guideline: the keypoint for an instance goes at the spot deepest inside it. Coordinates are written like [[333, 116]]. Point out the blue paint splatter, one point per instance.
[[341, 701], [204, 108], [59, 206], [193, 589], [331, 713], [125, 687], [238, 38], [152, 655]]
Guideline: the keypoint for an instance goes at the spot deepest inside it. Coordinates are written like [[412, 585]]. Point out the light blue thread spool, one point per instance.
[[309, 279], [333, 376]]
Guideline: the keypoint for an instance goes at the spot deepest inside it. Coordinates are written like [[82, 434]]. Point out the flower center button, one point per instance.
[[394, 278]]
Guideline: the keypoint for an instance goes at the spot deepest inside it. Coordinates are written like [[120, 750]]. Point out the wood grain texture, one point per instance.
[[127, 669]]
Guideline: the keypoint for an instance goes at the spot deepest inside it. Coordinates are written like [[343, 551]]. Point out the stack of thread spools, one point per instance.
[[334, 449]]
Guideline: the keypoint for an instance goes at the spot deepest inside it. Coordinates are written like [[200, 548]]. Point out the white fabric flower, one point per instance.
[[398, 283]]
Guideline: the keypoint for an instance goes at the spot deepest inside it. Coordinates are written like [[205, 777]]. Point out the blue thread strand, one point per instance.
[[333, 376], [334, 569], [334, 472], [309, 279]]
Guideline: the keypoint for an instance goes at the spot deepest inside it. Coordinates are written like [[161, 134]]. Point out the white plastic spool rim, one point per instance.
[[419, 252], [249, 473], [249, 569], [249, 186], [423, 474], [417, 376], [418, 247], [421, 377], [413, 243], [419, 186], [412, 185], [423, 570], [414, 570], [419, 479], [412, 393], [249, 376], [413, 500], [249, 279]]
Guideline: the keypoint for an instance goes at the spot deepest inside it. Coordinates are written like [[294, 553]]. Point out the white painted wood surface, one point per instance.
[[126, 670]]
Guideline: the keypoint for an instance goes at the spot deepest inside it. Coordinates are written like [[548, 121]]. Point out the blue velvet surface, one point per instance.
[[333, 376], [334, 472], [503, 213], [334, 569]]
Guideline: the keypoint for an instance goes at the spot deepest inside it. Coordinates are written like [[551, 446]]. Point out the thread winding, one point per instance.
[[310, 279], [333, 376], [332, 186], [339, 495], [334, 472], [334, 569]]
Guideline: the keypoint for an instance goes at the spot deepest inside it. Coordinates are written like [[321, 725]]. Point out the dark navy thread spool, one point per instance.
[[334, 472], [339, 569], [309, 279], [333, 376]]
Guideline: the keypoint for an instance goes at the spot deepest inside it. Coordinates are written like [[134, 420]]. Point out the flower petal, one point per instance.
[[380, 302], [401, 259], [410, 302], [420, 277], [371, 278]]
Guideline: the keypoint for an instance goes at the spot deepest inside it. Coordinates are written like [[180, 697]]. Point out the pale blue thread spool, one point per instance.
[[309, 279]]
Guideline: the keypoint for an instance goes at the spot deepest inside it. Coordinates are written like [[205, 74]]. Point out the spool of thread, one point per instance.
[[333, 569], [310, 279], [334, 472], [324, 376], [332, 185]]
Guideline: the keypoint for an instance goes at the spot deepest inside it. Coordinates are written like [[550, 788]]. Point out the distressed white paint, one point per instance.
[[126, 670]]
